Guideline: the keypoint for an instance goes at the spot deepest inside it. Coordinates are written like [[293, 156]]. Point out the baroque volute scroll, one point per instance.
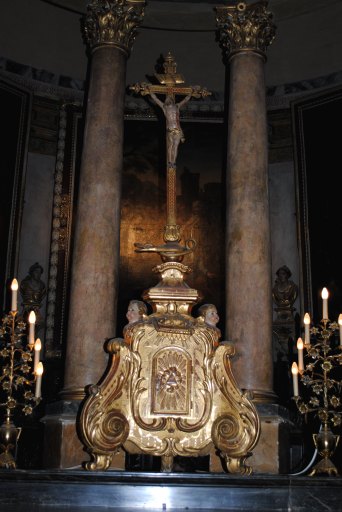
[[169, 390]]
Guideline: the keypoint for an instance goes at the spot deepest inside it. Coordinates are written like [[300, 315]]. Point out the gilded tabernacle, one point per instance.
[[170, 390]]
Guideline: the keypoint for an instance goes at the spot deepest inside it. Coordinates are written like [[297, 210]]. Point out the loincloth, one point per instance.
[[176, 131]]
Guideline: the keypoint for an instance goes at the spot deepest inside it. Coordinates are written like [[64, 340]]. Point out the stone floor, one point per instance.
[[81, 491]]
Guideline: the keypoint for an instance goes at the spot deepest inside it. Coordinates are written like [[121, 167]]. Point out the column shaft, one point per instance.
[[109, 27], [245, 31], [94, 283], [248, 249]]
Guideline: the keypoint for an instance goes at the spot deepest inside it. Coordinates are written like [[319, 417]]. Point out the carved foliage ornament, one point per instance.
[[113, 22], [244, 27]]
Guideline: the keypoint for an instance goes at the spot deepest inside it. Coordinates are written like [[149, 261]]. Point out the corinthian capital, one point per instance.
[[113, 22], [244, 27]]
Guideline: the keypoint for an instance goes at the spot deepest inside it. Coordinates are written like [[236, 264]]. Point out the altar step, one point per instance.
[[76, 491]]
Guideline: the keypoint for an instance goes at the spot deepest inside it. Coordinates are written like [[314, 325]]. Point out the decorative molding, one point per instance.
[[48, 84], [113, 22], [244, 27], [43, 88], [55, 238]]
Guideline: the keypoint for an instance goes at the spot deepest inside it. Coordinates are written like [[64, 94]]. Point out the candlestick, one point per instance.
[[325, 295], [307, 321], [14, 288], [294, 370], [322, 377], [37, 349], [32, 321], [340, 325], [18, 381], [300, 347], [39, 373]]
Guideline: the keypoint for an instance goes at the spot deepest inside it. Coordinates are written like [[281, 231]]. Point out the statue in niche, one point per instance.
[[284, 294], [33, 291]]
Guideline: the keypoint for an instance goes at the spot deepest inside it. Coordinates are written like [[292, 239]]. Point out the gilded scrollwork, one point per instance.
[[113, 22], [170, 390], [237, 431], [104, 427]]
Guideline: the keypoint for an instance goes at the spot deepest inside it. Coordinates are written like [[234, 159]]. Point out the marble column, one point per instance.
[[109, 30], [244, 32]]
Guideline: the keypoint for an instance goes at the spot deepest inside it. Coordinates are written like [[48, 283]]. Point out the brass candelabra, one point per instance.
[[20, 378], [321, 384]]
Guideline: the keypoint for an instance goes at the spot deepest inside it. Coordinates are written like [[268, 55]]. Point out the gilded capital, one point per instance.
[[113, 22], [244, 26]]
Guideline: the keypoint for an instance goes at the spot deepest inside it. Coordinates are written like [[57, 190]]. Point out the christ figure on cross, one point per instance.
[[174, 132]]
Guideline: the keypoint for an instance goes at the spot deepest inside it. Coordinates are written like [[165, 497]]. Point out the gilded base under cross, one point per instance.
[[170, 389]]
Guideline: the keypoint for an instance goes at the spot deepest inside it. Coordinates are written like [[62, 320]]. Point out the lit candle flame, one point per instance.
[[325, 293], [39, 373], [40, 369], [32, 317], [32, 321], [325, 296], [307, 321], [37, 349], [14, 288], [300, 347], [14, 285], [294, 370]]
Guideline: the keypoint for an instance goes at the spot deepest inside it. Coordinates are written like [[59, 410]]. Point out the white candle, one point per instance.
[[340, 325], [39, 373], [300, 347], [294, 370], [14, 288], [32, 321], [307, 321], [325, 296], [37, 349]]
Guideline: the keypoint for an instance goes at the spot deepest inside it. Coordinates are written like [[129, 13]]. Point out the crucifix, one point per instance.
[[170, 84]]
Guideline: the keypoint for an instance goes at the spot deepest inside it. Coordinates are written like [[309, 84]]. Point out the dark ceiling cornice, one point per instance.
[[79, 6], [282, 9]]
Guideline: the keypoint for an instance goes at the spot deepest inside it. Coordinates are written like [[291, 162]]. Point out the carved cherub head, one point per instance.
[[136, 311], [209, 314]]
